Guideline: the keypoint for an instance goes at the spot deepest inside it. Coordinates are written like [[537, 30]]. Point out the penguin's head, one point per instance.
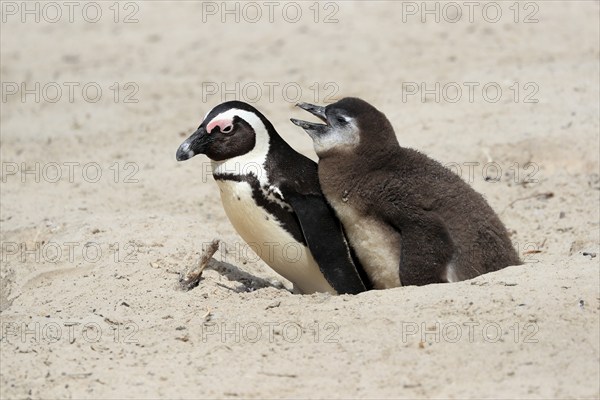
[[346, 122], [231, 129]]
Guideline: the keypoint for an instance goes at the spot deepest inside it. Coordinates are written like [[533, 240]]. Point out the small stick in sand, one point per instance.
[[191, 277]]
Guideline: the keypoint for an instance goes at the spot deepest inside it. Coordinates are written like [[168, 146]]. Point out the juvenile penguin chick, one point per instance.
[[272, 197], [410, 220]]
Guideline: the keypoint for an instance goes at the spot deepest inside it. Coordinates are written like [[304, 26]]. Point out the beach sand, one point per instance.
[[98, 219]]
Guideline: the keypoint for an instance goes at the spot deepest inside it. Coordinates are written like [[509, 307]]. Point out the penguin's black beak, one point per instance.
[[310, 127], [195, 144], [317, 111]]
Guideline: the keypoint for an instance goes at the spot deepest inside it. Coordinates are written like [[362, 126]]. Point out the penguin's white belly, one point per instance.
[[269, 240], [376, 245]]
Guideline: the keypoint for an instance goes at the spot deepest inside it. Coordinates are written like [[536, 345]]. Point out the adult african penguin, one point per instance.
[[410, 220], [272, 197]]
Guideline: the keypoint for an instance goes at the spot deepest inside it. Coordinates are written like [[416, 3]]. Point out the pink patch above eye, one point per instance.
[[223, 124]]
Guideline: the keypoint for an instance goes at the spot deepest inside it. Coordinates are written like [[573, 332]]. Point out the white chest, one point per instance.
[[269, 240], [377, 246]]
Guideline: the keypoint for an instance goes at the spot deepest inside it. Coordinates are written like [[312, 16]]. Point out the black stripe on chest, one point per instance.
[[285, 216]]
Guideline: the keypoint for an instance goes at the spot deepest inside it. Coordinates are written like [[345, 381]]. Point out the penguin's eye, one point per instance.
[[341, 120], [227, 129]]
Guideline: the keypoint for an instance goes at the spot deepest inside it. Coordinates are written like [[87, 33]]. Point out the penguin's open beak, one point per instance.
[[317, 111], [310, 127], [195, 144]]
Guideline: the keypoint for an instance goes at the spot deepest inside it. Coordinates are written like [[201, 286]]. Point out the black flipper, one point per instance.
[[427, 247], [327, 243]]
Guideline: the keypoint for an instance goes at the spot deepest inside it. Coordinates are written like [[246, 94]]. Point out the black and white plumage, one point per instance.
[[411, 220], [272, 197]]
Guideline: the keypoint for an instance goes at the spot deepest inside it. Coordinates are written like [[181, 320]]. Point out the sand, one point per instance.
[[90, 306]]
